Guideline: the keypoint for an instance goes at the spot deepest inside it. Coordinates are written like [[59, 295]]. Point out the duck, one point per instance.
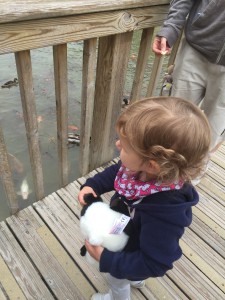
[[10, 83], [125, 101], [74, 138], [167, 82]]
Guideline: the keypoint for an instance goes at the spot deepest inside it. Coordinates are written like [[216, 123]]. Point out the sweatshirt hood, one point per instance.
[[173, 206]]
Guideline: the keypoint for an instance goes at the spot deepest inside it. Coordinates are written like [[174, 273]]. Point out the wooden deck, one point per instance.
[[40, 249]]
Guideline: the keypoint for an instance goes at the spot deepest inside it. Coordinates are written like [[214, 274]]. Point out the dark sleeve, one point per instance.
[[159, 248], [103, 182], [179, 9]]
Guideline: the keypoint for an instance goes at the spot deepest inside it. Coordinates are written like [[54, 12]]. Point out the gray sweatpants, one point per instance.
[[203, 83], [120, 288]]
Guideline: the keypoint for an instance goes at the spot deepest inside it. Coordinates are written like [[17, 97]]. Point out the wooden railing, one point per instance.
[[106, 27]]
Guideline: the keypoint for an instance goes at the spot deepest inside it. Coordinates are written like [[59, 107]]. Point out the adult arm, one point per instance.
[[172, 26]]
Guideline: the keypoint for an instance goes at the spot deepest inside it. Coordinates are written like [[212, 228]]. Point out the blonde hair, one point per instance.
[[171, 131]]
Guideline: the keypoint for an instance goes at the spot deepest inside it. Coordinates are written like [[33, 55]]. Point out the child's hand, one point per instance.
[[94, 251], [85, 190]]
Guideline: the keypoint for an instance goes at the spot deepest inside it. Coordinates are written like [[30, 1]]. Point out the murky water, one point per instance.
[[11, 115]]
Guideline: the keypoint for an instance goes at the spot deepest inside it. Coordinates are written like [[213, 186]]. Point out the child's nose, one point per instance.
[[118, 145]]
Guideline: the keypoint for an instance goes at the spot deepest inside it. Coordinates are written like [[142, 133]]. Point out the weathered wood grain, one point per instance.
[[6, 176], [216, 174], [163, 288], [193, 283], [24, 281], [205, 260], [174, 51], [212, 238], [48, 256], [17, 10], [113, 53], [155, 74], [209, 221], [212, 208], [24, 70], [40, 33], [87, 102], [61, 92], [7, 281], [143, 53]]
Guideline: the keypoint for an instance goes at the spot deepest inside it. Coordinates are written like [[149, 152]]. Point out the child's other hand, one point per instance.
[[94, 251], [85, 190]]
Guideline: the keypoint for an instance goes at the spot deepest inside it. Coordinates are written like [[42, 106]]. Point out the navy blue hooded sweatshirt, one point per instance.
[[158, 224]]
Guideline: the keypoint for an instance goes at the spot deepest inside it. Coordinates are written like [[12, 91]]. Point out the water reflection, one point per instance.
[[12, 122]]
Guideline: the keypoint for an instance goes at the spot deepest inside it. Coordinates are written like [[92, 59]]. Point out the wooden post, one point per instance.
[[174, 51], [155, 74], [24, 70], [61, 91], [113, 54], [144, 50], [87, 102], [6, 176]]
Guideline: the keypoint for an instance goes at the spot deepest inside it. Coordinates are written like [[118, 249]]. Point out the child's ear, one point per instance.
[[153, 167]]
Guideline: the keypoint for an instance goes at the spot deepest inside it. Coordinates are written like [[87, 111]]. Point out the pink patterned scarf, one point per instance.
[[127, 184]]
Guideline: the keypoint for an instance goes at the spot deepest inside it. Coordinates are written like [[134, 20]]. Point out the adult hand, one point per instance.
[[94, 251], [160, 46], [85, 190]]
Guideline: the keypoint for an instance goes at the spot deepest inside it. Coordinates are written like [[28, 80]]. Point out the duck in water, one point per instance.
[[10, 83], [74, 138]]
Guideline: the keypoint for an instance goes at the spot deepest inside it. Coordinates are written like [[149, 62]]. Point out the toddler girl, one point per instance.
[[163, 144]]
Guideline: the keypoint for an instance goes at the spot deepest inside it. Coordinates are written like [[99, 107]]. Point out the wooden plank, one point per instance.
[[221, 149], [219, 159], [113, 53], [143, 53], [61, 91], [82, 180], [3, 295], [18, 10], [74, 273], [208, 235], [208, 221], [155, 74], [24, 70], [211, 189], [163, 288], [87, 102], [69, 196], [205, 260], [213, 209], [193, 283], [6, 176], [29, 230], [24, 281], [174, 51], [9, 287], [65, 226], [216, 174], [54, 31]]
